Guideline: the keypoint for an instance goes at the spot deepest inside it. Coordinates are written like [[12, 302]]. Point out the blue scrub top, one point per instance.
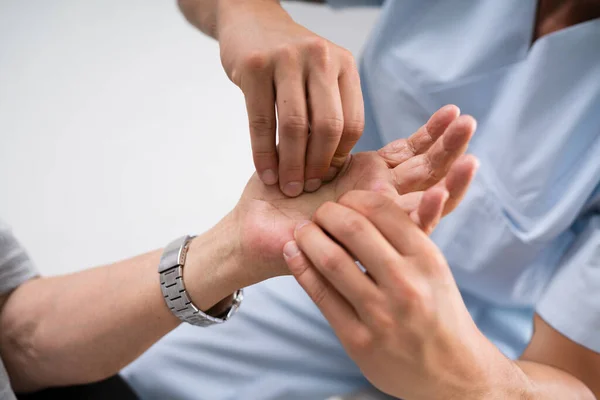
[[527, 234], [526, 238]]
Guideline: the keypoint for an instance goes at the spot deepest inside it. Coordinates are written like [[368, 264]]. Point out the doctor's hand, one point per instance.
[[426, 175], [404, 322], [298, 86]]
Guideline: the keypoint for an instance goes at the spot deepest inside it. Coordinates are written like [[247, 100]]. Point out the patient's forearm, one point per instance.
[[86, 326]]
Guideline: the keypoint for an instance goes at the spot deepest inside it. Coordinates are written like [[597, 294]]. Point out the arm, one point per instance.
[[564, 352], [551, 368], [86, 326], [558, 367]]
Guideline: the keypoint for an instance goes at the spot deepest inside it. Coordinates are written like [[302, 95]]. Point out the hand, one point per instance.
[[403, 323], [403, 170], [311, 83]]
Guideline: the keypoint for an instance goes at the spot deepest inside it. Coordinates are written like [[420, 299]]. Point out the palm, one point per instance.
[[267, 217]]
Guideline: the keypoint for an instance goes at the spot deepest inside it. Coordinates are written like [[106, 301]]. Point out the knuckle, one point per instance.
[[255, 61], [331, 261], [287, 54], [383, 322], [391, 262], [353, 129], [398, 282], [374, 303], [410, 146], [329, 128], [262, 155], [294, 126], [360, 341], [417, 300], [437, 267], [347, 59], [318, 51], [352, 226], [434, 174], [427, 129], [318, 293], [316, 168], [291, 170], [339, 159], [261, 125], [298, 266]]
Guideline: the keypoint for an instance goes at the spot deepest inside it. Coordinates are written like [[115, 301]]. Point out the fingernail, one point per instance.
[[290, 250], [300, 225], [312, 184], [293, 189], [331, 173], [268, 177]]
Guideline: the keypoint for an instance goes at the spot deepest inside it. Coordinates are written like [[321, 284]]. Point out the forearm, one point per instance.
[[549, 383], [527, 380], [497, 377], [86, 326], [204, 14]]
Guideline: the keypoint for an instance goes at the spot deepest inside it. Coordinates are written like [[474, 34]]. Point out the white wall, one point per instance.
[[118, 129]]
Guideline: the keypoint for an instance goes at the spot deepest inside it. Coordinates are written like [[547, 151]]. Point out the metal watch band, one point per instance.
[[170, 270]]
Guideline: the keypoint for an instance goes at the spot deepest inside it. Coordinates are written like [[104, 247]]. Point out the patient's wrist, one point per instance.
[[214, 265]]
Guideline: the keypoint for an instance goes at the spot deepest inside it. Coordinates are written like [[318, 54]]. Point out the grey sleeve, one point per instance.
[[15, 265]]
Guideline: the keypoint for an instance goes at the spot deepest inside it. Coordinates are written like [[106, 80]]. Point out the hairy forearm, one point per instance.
[[86, 326]]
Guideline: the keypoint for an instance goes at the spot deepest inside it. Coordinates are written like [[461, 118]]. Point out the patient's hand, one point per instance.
[[425, 173]]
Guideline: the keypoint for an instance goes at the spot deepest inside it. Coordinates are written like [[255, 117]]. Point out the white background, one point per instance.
[[119, 131]]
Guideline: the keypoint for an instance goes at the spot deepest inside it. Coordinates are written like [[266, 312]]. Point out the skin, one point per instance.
[[75, 328], [554, 15], [551, 362]]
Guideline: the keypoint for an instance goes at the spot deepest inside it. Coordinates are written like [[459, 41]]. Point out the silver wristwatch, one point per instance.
[[170, 270]]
